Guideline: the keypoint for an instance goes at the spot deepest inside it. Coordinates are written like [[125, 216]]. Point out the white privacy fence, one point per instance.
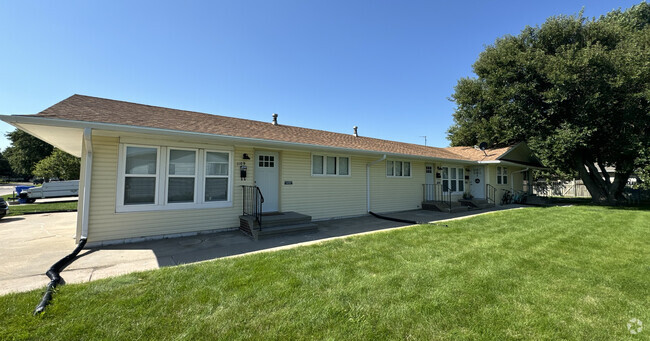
[[558, 188]]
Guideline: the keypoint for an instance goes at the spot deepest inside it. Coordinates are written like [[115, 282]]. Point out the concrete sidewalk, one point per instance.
[[29, 245]]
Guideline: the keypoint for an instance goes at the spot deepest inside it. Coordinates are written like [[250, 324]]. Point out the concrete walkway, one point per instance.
[[29, 245]]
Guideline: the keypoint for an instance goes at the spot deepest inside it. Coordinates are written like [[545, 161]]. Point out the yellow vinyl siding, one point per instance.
[[106, 224], [517, 182], [321, 196], [388, 194]]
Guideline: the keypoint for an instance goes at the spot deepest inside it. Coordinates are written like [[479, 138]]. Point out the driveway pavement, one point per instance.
[[30, 244]]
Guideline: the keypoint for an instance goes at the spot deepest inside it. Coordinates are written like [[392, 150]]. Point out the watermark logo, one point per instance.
[[634, 326]]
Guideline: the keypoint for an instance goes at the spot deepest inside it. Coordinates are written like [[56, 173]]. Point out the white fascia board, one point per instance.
[[508, 163], [13, 120]]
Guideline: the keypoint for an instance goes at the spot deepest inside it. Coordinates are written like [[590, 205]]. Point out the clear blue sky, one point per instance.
[[388, 67]]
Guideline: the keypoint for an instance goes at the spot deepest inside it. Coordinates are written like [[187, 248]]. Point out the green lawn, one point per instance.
[[41, 207], [537, 273]]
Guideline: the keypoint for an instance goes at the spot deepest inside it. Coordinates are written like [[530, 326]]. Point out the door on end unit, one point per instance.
[[477, 182], [267, 178], [429, 188]]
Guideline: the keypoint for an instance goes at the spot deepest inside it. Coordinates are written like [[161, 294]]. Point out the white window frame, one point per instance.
[[162, 181], [458, 179], [121, 179], [502, 175], [169, 176], [338, 165], [205, 176], [402, 169]]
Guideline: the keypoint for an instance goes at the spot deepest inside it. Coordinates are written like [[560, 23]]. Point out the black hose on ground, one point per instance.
[[393, 219], [401, 220], [53, 274]]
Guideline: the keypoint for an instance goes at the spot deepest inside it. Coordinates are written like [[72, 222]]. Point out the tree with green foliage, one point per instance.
[[59, 164], [25, 151], [576, 89], [5, 168]]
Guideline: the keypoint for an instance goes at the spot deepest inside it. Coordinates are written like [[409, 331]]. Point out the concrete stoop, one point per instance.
[[276, 224], [477, 203]]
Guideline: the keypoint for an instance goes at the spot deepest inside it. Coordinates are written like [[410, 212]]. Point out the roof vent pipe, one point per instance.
[[355, 131], [275, 119]]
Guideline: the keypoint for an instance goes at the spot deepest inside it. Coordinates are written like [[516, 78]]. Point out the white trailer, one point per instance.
[[53, 189]]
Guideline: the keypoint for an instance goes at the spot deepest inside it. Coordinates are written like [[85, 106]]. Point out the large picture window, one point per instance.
[[152, 178], [398, 168], [330, 165], [453, 179]]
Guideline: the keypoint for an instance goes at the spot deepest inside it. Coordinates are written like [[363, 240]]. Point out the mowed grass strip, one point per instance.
[[63, 206], [534, 273]]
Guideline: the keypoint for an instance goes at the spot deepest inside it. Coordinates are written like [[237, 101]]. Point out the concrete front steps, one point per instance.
[[276, 224], [476, 203]]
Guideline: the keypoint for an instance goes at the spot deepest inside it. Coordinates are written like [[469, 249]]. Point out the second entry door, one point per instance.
[[267, 178]]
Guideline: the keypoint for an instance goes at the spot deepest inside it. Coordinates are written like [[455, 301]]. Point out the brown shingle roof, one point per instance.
[[471, 153], [94, 109]]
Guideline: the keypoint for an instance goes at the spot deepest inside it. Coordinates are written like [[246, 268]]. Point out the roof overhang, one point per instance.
[[68, 139], [521, 154], [67, 135]]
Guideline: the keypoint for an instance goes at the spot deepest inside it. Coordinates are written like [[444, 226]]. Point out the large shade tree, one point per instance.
[[25, 151], [577, 89]]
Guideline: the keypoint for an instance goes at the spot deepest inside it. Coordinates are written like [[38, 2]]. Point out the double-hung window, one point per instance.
[[216, 176], [453, 179], [140, 175], [330, 165], [181, 176], [398, 168], [159, 177], [502, 175]]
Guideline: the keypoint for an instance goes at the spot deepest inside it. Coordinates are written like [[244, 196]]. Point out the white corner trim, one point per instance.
[[368, 165], [88, 170]]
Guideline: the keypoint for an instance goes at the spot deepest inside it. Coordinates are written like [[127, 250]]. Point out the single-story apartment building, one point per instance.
[[149, 171]]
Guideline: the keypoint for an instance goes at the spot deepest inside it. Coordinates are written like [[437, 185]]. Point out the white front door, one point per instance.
[[428, 182], [477, 182], [267, 178]]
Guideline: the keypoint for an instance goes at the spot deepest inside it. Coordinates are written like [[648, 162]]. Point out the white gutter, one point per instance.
[[507, 163], [368, 165], [87, 174], [512, 179]]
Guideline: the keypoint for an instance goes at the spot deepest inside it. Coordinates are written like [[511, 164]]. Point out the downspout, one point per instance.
[[87, 174], [368, 165], [512, 179], [54, 272]]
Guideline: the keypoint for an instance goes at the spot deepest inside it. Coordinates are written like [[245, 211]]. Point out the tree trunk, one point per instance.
[[602, 190]]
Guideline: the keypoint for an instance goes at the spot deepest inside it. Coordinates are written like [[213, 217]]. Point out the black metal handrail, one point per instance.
[[436, 192], [252, 203], [491, 194]]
